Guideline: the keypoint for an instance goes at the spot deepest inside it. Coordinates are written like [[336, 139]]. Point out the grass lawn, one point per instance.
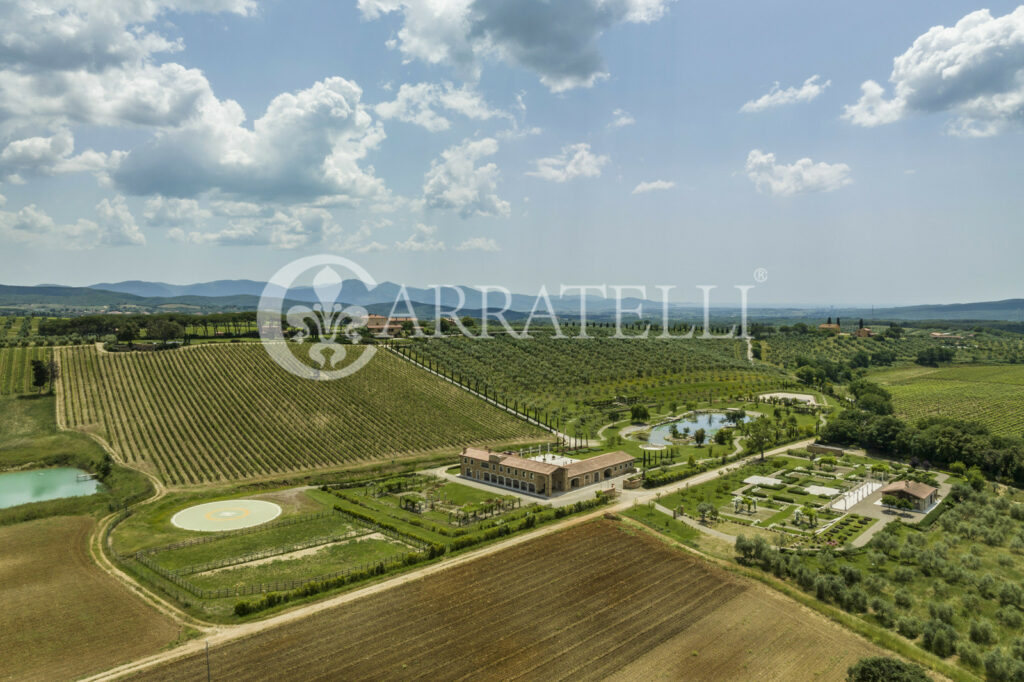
[[325, 560], [463, 494], [151, 526], [240, 545], [663, 523]]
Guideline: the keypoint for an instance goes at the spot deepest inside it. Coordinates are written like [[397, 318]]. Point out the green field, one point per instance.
[[577, 381], [29, 438], [324, 540], [227, 412], [990, 394], [16, 368]]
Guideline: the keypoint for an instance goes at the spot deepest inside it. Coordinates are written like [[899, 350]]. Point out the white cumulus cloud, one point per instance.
[[282, 228], [455, 182], [777, 97], [644, 187], [557, 40], [51, 155], [170, 212], [479, 244], [801, 177], [621, 118], [422, 239], [973, 70], [574, 161], [33, 226], [418, 104], [307, 146]]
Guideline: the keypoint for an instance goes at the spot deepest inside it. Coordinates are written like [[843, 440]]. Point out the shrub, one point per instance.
[[1010, 617], [850, 574], [909, 627], [885, 669], [941, 611], [856, 600], [903, 574], [982, 632], [884, 612], [939, 638], [903, 599], [970, 654]]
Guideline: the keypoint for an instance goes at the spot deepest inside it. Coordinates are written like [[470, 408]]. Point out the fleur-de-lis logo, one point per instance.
[[327, 320], [326, 324]]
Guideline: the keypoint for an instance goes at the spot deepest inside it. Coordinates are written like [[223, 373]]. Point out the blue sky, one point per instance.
[[519, 142]]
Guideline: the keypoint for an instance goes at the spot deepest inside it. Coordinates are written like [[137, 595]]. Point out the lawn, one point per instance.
[[663, 523]]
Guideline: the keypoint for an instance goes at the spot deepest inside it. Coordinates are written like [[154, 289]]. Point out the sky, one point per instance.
[[858, 154]]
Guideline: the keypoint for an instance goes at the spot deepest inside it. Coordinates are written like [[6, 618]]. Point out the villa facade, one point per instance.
[[540, 477]]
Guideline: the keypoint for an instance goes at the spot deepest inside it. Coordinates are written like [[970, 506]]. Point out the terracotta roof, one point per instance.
[[511, 461], [600, 462], [917, 489], [478, 453], [530, 465]]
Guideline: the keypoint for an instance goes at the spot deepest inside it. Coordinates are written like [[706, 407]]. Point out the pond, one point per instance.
[[711, 422], [22, 487]]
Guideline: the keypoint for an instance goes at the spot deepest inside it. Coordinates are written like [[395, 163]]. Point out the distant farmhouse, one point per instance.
[[381, 326], [559, 474], [921, 495], [836, 328], [829, 326]]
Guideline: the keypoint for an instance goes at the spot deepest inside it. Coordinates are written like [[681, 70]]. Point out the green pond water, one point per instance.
[[38, 485]]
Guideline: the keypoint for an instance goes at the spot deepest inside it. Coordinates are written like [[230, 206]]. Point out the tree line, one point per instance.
[[935, 440]]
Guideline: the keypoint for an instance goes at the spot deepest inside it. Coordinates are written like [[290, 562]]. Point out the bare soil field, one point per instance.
[[598, 600], [62, 616]]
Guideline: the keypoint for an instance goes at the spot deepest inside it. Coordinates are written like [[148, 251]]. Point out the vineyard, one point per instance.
[[990, 394], [227, 412], [571, 377], [589, 603], [16, 368]]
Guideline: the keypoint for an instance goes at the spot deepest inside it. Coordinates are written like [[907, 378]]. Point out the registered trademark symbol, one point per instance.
[[760, 275]]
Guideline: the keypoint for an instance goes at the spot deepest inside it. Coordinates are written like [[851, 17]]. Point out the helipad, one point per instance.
[[226, 515]]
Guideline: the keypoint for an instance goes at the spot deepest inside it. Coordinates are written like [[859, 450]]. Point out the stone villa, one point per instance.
[[540, 477]]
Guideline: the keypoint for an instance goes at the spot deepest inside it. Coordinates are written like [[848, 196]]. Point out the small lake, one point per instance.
[[38, 485], [711, 422]]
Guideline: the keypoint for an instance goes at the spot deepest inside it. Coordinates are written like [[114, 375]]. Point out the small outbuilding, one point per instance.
[[921, 495]]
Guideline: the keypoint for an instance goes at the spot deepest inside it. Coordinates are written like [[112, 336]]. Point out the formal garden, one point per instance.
[[800, 499]]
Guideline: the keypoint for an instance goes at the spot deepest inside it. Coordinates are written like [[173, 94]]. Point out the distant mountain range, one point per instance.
[[243, 294], [355, 292]]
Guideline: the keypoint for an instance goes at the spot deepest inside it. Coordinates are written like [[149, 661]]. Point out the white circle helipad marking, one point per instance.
[[226, 515]]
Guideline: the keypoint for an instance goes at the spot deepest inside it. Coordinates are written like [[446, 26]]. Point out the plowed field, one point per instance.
[[592, 602]]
